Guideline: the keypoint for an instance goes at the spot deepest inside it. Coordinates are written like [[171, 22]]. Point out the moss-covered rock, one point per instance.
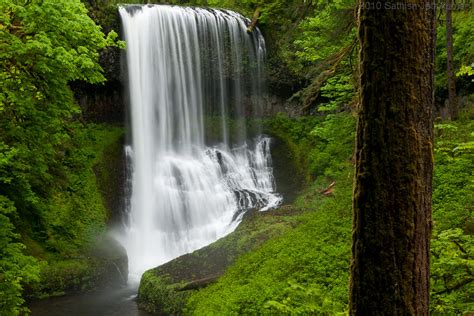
[[164, 290], [111, 262], [110, 173], [158, 295], [292, 147], [289, 179], [105, 265]]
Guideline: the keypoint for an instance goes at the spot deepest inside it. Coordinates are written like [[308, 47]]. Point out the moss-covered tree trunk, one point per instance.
[[394, 162]]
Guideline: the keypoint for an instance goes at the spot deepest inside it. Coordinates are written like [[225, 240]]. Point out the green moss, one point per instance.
[[165, 289], [75, 215], [76, 212], [57, 277], [303, 270], [110, 174], [295, 133], [94, 268], [157, 295]]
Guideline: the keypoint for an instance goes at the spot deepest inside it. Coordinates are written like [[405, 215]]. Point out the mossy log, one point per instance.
[[254, 21], [199, 284]]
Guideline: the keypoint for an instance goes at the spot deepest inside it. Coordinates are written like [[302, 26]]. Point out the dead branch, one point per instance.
[[329, 190], [254, 22]]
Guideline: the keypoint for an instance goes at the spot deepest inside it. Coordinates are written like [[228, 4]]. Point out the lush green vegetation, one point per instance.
[[57, 244], [53, 165], [463, 23], [306, 270], [49, 199], [452, 259]]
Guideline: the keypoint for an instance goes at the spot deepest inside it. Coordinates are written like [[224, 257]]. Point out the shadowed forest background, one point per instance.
[[62, 169]]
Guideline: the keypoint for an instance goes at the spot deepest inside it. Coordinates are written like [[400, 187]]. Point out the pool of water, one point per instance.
[[110, 302]]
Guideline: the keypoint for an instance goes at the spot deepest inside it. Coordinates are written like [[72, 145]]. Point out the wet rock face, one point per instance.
[[107, 103], [110, 61], [112, 262], [112, 174], [287, 178], [103, 103], [103, 266], [274, 104]]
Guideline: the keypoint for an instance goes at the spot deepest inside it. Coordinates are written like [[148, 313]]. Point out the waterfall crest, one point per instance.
[[194, 75]]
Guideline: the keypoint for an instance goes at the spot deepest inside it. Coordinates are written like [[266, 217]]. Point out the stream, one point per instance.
[[106, 302]]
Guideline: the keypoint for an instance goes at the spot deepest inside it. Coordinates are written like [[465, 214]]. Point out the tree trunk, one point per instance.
[[452, 99], [394, 160]]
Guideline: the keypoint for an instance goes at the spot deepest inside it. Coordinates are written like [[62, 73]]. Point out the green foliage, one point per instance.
[[463, 38], [44, 45], [453, 176], [337, 91], [452, 260], [463, 48], [334, 137], [452, 256], [322, 52], [15, 267], [74, 216], [296, 134], [155, 292], [322, 35], [304, 270], [466, 71], [75, 211], [316, 140]]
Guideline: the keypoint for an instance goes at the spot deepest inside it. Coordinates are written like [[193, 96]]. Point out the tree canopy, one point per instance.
[[44, 45]]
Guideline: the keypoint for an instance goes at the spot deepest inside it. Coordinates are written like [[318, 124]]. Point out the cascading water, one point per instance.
[[194, 76]]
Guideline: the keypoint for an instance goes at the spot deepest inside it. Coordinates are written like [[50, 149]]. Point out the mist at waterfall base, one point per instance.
[[195, 76]]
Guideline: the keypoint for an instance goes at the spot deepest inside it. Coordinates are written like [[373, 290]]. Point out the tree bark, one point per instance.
[[452, 99], [394, 160]]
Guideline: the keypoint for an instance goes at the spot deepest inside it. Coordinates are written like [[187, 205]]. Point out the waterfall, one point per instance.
[[194, 76]]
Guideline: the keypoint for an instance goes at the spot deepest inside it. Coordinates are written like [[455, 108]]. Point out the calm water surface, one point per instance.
[[111, 302]]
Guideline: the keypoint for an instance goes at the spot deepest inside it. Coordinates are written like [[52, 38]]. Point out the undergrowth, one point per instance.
[[306, 270]]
